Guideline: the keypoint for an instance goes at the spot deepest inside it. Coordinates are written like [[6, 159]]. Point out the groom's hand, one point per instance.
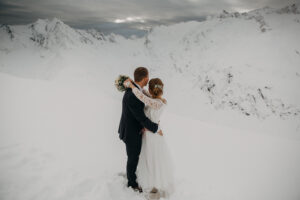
[[143, 131], [160, 132]]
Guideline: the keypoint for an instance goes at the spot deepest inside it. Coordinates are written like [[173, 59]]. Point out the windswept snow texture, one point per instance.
[[232, 121]]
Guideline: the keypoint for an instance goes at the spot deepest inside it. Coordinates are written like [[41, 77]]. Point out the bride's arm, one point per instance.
[[146, 93], [142, 97], [146, 100]]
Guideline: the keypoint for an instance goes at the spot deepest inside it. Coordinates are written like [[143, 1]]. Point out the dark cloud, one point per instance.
[[102, 14]]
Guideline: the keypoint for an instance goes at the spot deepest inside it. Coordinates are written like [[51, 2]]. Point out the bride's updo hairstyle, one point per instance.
[[156, 87]]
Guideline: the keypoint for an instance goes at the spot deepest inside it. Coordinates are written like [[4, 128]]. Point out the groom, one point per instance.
[[133, 120]]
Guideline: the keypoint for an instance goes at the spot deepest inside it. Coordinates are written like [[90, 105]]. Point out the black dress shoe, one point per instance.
[[137, 189]]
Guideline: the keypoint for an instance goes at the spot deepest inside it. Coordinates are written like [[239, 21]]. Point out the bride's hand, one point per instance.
[[128, 83]]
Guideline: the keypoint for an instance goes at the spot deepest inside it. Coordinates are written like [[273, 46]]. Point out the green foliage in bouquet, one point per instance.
[[119, 83]]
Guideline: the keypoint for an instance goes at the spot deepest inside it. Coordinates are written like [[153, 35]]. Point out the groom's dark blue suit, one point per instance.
[[133, 120]]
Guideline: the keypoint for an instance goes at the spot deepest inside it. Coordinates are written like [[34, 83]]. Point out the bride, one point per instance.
[[155, 168]]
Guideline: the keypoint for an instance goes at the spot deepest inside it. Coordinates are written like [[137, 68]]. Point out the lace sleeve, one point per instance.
[[147, 100], [146, 93]]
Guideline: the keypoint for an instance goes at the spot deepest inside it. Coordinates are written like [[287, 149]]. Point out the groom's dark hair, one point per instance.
[[140, 73]]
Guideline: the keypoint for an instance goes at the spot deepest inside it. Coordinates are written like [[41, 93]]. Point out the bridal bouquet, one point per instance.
[[119, 83]]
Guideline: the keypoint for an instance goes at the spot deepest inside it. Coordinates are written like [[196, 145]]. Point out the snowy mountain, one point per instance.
[[238, 59], [248, 62], [232, 120], [50, 34]]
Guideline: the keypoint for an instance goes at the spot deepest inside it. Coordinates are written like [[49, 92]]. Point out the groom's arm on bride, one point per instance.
[[138, 112]]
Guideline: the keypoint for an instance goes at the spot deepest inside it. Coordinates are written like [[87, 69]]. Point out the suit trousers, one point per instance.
[[133, 151]]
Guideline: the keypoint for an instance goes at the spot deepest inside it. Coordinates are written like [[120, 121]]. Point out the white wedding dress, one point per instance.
[[155, 167]]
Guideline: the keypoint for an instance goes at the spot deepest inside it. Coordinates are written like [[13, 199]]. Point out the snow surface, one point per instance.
[[233, 120]]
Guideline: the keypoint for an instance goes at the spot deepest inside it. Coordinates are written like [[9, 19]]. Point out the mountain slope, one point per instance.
[[245, 62]]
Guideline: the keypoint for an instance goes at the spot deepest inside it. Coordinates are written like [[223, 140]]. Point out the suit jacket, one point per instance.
[[133, 119]]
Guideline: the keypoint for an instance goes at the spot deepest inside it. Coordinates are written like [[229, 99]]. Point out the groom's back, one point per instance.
[[129, 127]]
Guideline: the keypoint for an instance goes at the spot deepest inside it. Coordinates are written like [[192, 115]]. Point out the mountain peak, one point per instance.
[[47, 21], [46, 25], [7, 29], [46, 32]]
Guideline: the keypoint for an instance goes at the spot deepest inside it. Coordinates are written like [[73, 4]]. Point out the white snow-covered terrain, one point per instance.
[[232, 122]]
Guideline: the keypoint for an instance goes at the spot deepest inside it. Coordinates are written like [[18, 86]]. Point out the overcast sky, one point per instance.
[[123, 16]]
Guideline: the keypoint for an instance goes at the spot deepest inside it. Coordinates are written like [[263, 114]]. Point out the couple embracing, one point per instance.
[[149, 163]]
